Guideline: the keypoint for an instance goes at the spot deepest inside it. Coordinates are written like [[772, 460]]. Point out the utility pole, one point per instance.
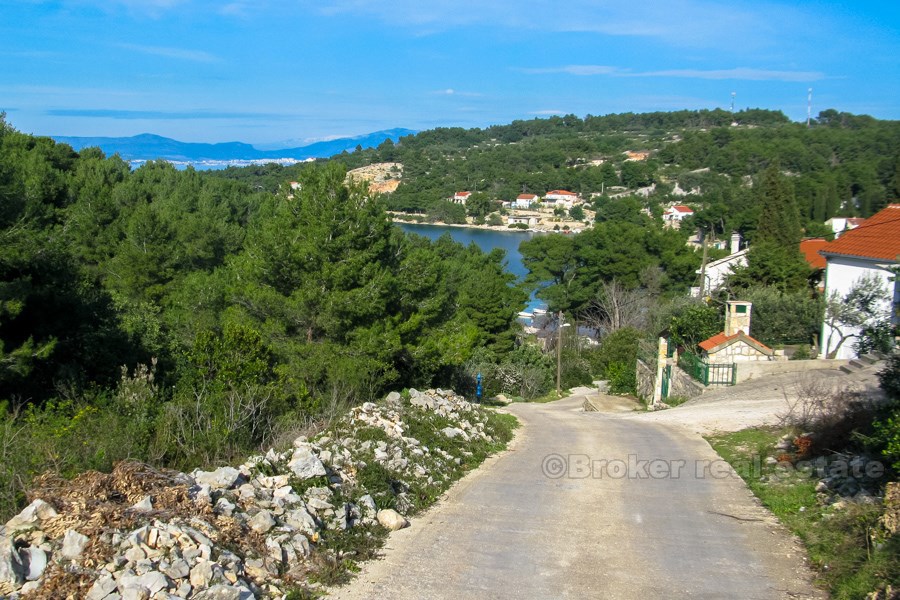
[[559, 328]]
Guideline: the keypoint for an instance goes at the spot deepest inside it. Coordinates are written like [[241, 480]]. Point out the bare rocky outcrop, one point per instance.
[[383, 178], [249, 531]]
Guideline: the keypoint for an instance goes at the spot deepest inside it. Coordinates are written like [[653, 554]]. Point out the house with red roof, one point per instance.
[[673, 215], [525, 201], [460, 197], [734, 344], [810, 249], [562, 198], [869, 251]]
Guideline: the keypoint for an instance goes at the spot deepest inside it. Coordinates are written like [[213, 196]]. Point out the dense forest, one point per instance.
[[169, 316], [185, 317], [843, 164]]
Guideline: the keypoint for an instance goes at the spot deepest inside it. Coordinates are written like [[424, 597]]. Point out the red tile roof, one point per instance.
[[877, 237], [683, 208], [715, 340], [526, 197], [463, 193], [560, 193], [720, 339], [810, 249]]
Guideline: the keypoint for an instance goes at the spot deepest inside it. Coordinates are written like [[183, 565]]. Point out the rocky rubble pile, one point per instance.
[[842, 478], [256, 530]]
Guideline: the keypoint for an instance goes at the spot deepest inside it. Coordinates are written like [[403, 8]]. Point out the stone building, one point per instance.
[[734, 345]]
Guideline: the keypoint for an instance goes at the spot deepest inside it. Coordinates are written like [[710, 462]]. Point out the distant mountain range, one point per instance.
[[147, 146]]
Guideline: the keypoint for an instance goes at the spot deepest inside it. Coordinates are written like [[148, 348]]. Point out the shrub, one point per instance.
[[889, 377], [833, 414], [620, 349], [622, 378], [802, 352]]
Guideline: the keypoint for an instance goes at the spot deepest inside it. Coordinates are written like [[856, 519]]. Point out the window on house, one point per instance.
[[741, 309]]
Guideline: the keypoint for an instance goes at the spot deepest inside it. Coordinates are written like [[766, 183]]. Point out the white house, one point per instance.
[[841, 224], [675, 214], [460, 197], [561, 198], [525, 201], [718, 270], [869, 251], [531, 221]]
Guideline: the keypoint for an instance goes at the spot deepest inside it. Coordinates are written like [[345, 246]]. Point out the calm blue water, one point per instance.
[[485, 239]]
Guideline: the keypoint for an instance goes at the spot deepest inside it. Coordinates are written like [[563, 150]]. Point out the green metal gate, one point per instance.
[[666, 378], [706, 373]]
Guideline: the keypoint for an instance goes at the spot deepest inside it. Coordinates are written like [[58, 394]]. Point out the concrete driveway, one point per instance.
[[593, 505]]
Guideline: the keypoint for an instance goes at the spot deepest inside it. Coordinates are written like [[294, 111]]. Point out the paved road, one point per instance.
[[509, 530]]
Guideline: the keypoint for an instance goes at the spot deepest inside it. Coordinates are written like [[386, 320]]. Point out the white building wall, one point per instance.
[[840, 275], [718, 271]]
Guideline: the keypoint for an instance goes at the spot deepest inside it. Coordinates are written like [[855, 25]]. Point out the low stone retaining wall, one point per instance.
[[754, 370]]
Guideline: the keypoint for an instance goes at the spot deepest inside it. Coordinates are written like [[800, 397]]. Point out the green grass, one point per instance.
[[676, 400], [850, 564]]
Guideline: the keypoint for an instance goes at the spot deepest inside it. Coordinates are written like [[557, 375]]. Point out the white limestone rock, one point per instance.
[[103, 587], [73, 544], [262, 522], [391, 520], [31, 516], [144, 505], [305, 464], [224, 478], [12, 571]]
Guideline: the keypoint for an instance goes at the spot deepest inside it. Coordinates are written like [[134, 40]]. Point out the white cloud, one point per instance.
[[47, 90], [738, 73], [455, 92], [547, 112], [576, 70], [176, 53], [700, 23]]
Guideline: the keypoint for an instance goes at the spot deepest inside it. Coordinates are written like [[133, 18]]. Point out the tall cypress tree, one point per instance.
[[774, 258], [779, 219]]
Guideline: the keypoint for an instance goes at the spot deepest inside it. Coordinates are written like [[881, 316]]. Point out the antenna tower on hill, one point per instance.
[[808, 107]]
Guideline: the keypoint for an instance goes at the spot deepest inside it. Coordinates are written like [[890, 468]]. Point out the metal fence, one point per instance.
[[708, 373]]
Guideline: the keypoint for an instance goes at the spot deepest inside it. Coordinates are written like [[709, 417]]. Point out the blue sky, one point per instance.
[[265, 71]]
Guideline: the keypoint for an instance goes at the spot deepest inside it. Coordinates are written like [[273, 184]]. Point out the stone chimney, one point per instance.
[[735, 242], [737, 317]]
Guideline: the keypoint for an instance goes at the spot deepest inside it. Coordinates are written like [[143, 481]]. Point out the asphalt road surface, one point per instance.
[[592, 505]]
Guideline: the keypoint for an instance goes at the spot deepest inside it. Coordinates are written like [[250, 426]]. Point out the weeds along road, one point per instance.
[[591, 505]]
